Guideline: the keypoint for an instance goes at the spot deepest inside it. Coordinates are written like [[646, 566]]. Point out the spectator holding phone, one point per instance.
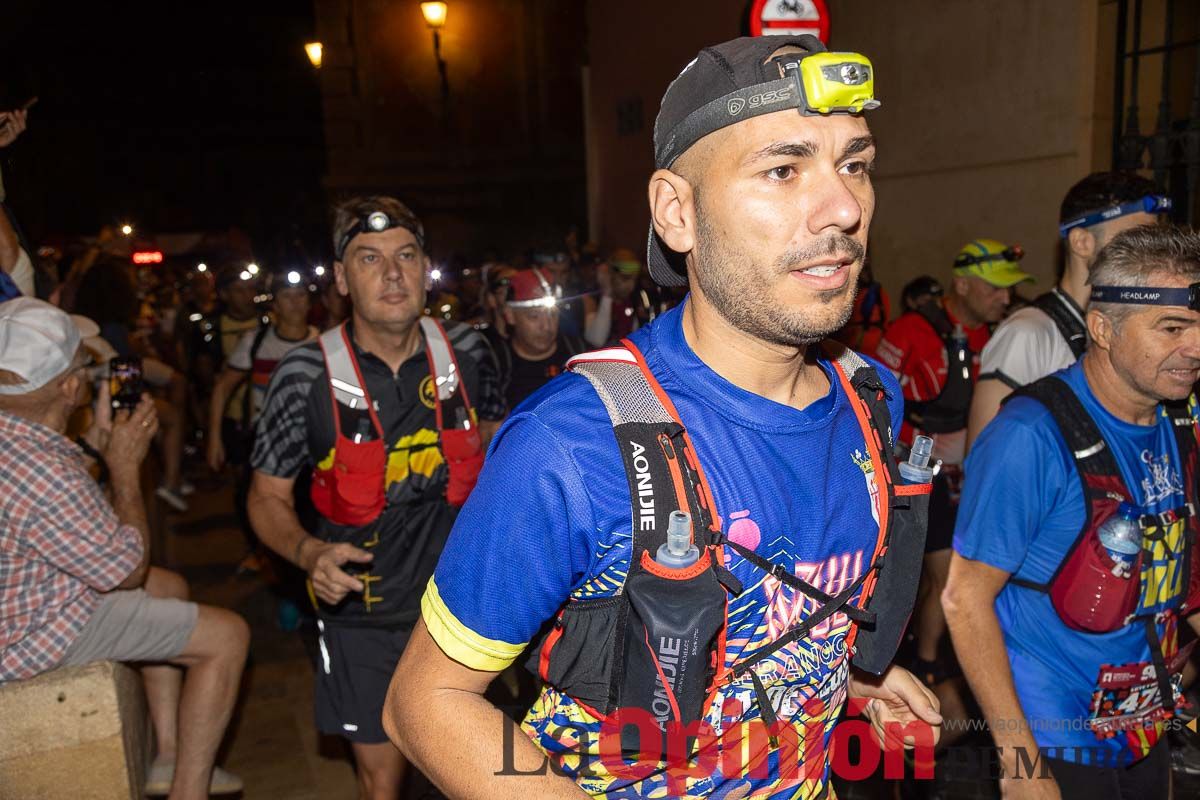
[[78, 586], [108, 295], [16, 267]]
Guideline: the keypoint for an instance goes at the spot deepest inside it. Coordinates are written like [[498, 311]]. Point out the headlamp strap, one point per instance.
[[1150, 204], [1148, 296], [374, 222]]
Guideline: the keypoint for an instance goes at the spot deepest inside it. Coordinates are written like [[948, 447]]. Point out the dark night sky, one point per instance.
[[177, 116]]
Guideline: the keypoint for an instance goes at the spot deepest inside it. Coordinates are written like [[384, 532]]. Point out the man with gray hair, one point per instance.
[[1073, 566], [77, 585]]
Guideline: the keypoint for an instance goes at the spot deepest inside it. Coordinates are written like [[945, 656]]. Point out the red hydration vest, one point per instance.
[[351, 490], [1085, 592]]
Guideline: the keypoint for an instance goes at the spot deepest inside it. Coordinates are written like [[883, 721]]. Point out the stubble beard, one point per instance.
[[730, 281]]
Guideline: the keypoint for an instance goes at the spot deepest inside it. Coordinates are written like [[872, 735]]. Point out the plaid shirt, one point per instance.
[[61, 546]]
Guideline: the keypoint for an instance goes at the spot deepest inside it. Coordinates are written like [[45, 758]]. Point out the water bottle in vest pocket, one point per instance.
[[1097, 588], [674, 622]]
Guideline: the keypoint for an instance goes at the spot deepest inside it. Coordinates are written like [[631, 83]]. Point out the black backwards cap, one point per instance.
[[723, 85]]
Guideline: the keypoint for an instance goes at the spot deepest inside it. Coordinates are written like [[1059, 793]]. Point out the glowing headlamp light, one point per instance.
[[1188, 297], [376, 222], [549, 299], [1150, 204]]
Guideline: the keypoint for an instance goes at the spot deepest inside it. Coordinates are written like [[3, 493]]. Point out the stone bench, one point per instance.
[[79, 733]]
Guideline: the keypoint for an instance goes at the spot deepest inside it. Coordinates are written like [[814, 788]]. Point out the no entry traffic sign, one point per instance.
[[790, 17]]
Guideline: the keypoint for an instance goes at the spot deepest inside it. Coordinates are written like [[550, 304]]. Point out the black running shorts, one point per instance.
[[354, 668]]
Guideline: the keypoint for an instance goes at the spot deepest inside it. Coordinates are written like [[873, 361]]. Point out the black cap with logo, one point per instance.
[[731, 82]]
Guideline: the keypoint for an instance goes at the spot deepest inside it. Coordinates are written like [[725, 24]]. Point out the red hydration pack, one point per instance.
[[351, 490], [1086, 593]]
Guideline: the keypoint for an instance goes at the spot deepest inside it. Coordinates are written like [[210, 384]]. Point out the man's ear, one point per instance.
[[509, 316], [960, 285], [70, 387], [672, 210], [1100, 329], [339, 277], [1082, 244]]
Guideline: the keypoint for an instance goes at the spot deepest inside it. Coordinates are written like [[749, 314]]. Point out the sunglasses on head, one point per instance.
[[1013, 253]]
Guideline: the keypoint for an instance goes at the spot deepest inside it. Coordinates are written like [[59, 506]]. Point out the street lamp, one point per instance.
[[435, 18], [315, 51], [126, 229], [435, 14]]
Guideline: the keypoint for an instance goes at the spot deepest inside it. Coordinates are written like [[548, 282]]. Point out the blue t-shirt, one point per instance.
[[1022, 509], [550, 520]]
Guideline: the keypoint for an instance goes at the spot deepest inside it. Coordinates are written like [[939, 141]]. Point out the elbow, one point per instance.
[[953, 602], [135, 579], [397, 712]]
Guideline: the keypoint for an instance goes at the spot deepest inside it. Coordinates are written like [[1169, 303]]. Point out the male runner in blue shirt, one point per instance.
[[764, 214]]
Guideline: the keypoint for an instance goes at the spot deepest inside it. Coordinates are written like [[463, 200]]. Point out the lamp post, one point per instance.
[[435, 18], [315, 52]]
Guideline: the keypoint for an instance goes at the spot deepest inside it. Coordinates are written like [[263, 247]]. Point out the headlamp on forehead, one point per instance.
[[1013, 253], [1188, 297], [830, 83], [376, 222], [1150, 204], [815, 84], [549, 298]]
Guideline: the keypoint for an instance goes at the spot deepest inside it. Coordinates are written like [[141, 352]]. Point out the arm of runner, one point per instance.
[[273, 516], [224, 387], [1015, 477], [436, 714], [969, 601], [1020, 351], [477, 619], [985, 404]]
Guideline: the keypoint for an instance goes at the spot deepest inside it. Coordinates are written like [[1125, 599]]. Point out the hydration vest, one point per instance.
[[948, 411], [1066, 317], [351, 490], [1104, 490], [599, 652]]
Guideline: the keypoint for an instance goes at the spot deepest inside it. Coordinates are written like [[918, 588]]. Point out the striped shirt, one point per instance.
[[61, 546], [296, 431]]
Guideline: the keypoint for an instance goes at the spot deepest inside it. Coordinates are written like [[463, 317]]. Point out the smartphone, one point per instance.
[[125, 382]]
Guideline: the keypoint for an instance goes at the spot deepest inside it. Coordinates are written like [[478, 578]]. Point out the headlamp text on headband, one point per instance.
[[1149, 296], [1150, 204]]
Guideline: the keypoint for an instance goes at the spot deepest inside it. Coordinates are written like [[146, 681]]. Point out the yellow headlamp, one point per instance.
[[832, 83]]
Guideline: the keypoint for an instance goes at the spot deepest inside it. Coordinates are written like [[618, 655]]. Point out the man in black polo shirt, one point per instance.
[[391, 412]]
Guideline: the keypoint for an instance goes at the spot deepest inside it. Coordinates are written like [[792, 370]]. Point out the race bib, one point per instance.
[[1127, 696]]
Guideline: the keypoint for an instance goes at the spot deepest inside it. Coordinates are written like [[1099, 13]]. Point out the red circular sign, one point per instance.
[[790, 17]]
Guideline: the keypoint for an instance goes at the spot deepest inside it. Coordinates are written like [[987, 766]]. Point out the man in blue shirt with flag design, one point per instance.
[[1089, 702], [763, 213]]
